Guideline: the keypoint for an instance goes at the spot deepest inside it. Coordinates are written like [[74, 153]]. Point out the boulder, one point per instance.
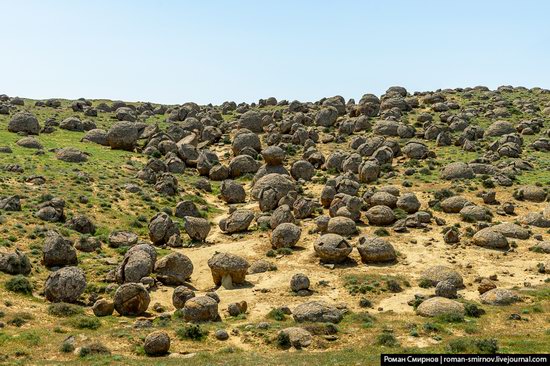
[[156, 343], [436, 274], [499, 296], [332, 248], [24, 122], [174, 269], [317, 311], [200, 309], [285, 235], [375, 250], [197, 228], [65, 285], [131, 299], [228, 269], [439, 306]]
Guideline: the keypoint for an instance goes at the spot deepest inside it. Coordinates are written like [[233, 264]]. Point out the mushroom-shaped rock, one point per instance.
[[228, 269], [436, 274], [201, 309], [65, 285], [332, 248], [317, 311], [156, 343], [174, 269], [131, 299], [375, 250], [285, 235], [438, 306]]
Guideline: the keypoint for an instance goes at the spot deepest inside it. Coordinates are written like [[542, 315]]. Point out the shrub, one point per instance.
[[451, 318], [62, 309], [457, 345], [488, 345], [473, 310], [386, 338], [393, 286], [365, 303], [193, 332], [425, 283], [283, 340], [66, 347], [277, 314], [431, 327], [381, 232], [86, 322], [17, 321], [94, 349], [19, 284]]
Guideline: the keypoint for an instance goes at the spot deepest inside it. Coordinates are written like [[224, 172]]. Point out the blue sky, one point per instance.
[[212, 51]]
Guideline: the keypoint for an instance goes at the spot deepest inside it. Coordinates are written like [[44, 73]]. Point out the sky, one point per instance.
[[170, 51]]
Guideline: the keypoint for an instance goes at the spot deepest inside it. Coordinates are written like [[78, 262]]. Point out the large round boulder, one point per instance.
[[65, 285], [123, 136], [375, 250], [285, 235], [174, 269], [332, 248], [439, 306], [24, 122], [131, 299]]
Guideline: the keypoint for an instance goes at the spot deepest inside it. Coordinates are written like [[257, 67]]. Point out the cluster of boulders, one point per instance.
[[271, 168]]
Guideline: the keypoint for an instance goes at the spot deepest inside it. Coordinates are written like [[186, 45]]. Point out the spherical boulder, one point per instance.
[[380, 215], [123, 136], [131, 299], [174, 269], [375, 250], [489, 238], [439, 306], [180, 296], [156, 343], [285, 235], [434, 275], [24, 122], [201, 309], [332, 248], [65, 285]]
